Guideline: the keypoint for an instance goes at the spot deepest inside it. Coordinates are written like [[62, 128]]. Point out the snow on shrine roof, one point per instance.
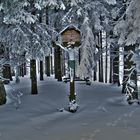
[[71, 26]]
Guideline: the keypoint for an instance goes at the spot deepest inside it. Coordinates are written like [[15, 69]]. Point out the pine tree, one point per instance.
[[126, 29]]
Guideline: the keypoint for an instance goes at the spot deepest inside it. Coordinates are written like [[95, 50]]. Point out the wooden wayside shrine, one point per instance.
[[70, 34]]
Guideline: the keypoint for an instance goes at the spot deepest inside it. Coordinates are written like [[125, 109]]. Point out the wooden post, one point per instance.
[[72, 96]]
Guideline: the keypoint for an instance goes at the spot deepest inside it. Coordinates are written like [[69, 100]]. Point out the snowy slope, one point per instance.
[[102, 114]]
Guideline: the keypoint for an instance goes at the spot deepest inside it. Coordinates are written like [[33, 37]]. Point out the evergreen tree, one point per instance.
[[127, 30]]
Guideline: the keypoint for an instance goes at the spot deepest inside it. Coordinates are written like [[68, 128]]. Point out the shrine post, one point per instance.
[[70, 38]]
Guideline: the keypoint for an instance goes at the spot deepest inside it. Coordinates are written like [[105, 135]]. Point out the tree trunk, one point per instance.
[[111, 70], [2, 93], [101, 58], [124, 74], [7, 72], [25, 71], [95, 75], [106, 60], [7, 68], [17, 74], [33, 74], [41, 70], [33, 77], [63, 63], [47, 59], [57, 62], [116, 66], [21, 70], [59, 70], [79, 55], [51, 62], [46, 65], [130, 75]]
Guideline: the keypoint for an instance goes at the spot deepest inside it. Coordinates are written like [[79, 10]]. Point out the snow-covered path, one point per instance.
[[102, 115]]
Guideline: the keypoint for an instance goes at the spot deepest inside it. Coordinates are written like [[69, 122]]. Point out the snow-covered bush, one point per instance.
[[14, 97]]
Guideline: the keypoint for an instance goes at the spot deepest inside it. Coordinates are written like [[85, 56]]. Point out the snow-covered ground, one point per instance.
[[102, 114]]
